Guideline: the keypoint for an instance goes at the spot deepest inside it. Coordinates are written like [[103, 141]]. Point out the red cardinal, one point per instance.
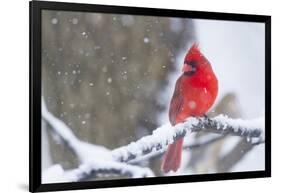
[[195, 92]]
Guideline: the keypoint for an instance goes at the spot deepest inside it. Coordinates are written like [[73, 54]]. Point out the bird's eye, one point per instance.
[[192, 63]]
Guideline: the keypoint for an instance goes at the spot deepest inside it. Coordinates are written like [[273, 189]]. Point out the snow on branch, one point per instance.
[[59, 128], [93, 169], [83, 150], [200, 142], [95, 160], [166, 134], [100, 169]]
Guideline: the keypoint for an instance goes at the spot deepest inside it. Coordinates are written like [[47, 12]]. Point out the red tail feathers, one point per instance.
[[172, 157]]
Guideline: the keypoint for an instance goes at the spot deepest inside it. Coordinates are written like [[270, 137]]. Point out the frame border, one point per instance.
[[35, 11]]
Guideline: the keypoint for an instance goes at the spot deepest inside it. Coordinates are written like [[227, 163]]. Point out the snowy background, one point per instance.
[[109, 78]]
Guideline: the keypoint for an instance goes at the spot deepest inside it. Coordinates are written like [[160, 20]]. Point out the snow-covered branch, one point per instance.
[[93, 169], [166, 134], [95, 160], [59, 128], [200, 142], [100, 169]]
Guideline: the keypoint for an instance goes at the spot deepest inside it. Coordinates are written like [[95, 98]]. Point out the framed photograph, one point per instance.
[[126, 96]]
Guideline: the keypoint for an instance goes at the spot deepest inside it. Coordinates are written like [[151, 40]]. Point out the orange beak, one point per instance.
[[186, 68]]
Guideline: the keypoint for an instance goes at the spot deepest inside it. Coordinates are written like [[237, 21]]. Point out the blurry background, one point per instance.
[[110, 78]]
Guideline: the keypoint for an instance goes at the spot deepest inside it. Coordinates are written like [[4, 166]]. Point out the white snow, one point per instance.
[[75, 21], [54, 21], [250, 124], [109, 80], [82, 149], [163, 135], [54, 174], [134, 171], [146, 40], [61, 128], [85, 35], [91, 156]]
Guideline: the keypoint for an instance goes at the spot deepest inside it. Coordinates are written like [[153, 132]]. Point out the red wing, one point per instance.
[[176, 103]]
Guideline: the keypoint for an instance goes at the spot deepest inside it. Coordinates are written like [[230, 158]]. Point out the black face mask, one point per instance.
[[193, 64]]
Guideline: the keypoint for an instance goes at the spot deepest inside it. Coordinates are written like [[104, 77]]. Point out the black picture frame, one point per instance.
[[36, 8]]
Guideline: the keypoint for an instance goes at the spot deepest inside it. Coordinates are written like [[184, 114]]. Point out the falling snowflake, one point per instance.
[[146, 40], [74, 21], [84, 34], [54, 21], [109, 80]]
